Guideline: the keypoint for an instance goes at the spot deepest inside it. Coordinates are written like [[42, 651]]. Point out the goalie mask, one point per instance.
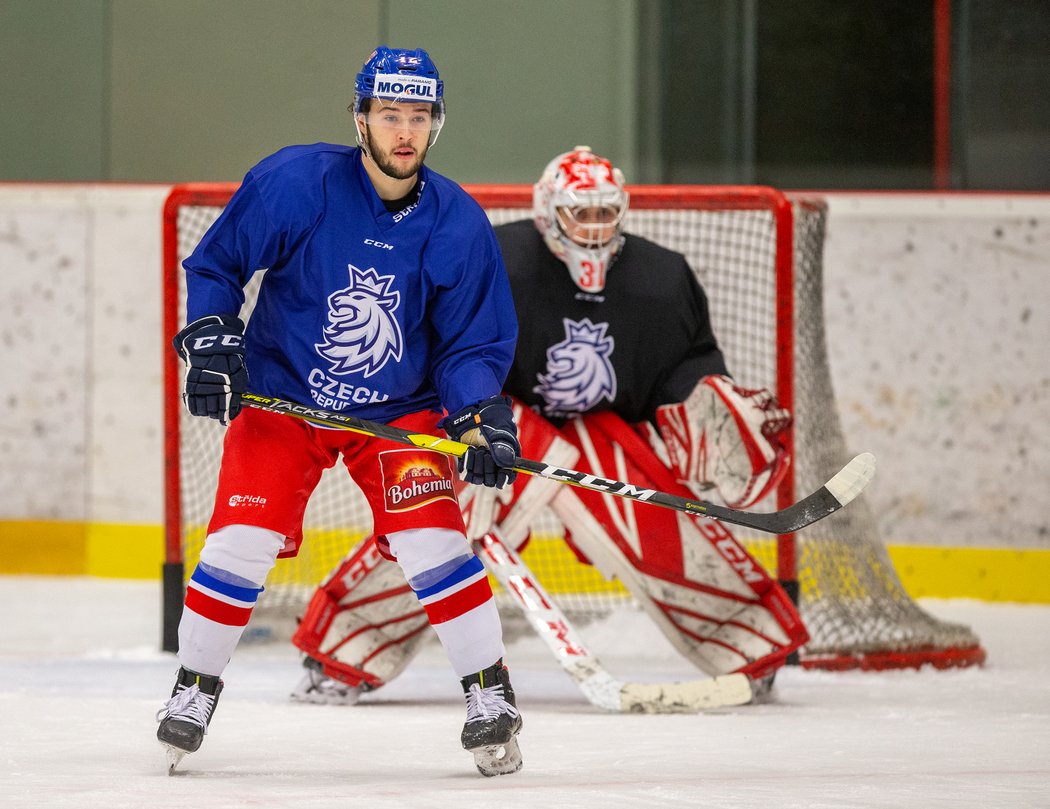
[[403, 77], [578, 206]]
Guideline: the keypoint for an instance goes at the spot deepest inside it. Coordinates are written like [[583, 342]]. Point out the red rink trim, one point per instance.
[[460, 602], [215, 610]]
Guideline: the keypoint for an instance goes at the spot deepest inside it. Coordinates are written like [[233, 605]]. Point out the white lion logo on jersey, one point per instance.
[[579, 373], [362, 333]]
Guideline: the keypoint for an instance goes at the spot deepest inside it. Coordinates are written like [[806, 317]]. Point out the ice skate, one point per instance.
[[493, 721], [184, 719], [319, 689]]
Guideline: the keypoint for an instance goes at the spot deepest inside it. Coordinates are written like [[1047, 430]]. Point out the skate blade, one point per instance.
[[175, 755], [498, 759]]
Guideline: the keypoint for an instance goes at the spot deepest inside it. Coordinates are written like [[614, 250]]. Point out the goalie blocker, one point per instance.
[[708, 596]]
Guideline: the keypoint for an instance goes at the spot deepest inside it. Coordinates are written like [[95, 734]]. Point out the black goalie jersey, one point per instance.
[[644, 341]]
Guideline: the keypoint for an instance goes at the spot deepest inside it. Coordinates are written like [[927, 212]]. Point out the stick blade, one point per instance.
[[687, 697], [829, 498], [852, 478]]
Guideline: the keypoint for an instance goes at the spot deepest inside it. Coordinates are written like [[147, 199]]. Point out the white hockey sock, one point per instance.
[[221, 594], [452, 586], [474, 640]]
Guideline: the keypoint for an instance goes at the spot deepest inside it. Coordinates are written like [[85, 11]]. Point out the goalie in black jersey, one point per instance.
[[617, 373]]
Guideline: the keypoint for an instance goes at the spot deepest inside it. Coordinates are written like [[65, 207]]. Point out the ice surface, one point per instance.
[[81, 679]]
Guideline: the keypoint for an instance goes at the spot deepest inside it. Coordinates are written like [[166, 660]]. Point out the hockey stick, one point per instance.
[[833, 495], [600, 687]]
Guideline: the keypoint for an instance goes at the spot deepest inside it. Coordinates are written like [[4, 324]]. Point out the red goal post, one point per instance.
[[758, 255]]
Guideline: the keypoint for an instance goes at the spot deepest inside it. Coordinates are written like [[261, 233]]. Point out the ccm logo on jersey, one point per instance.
[[374, 243], [224, 340], [393, 85]]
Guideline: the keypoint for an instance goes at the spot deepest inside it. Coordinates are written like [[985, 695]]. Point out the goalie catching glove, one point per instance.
[[213, 350], [488, 427], [727, 437]]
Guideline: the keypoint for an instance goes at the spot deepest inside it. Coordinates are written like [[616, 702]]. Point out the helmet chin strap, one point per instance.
[[362, 143]]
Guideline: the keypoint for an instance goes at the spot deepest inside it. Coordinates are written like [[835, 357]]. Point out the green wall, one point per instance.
[[527, 80], [176, 90], [201, 89], [53, 90], [810, 93]]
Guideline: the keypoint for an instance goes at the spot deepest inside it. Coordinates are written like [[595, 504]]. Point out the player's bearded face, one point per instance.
[[397, 137]]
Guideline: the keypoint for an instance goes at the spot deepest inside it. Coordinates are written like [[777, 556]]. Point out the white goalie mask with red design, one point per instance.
[[578, 206]]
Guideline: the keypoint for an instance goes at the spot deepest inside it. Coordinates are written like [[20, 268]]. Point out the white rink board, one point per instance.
[[80, 306], [936, 307], [938, 315]]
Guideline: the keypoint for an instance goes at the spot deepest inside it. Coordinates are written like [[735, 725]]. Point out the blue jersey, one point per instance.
[[361, 310]]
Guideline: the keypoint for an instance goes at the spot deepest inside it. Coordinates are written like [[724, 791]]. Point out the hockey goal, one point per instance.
[[758, 255]]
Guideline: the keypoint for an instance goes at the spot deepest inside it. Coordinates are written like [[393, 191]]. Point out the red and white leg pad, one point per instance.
[[711, 599], [364, 624], [726, 437]]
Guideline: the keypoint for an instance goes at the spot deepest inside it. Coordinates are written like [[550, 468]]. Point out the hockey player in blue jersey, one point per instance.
[[385, 296]]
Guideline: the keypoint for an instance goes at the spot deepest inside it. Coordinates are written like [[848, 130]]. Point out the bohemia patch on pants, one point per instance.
[[413, 478]]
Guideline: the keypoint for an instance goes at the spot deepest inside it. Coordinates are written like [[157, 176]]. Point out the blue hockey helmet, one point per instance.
[[404, 76]]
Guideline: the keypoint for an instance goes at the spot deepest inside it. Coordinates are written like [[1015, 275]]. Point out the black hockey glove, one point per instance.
[[213, 350], [488, 427]]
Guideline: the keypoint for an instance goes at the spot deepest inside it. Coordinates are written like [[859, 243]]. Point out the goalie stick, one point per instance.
[[600, 687], [833, 495]]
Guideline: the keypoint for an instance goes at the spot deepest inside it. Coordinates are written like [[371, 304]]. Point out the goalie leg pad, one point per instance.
[[713, 601], [364, 624]]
